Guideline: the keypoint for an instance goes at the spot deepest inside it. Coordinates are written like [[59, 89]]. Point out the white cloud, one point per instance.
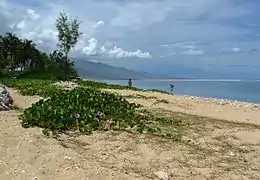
[[163, 45], [32, 14], [98, 24], [120, 53], [44, 33], [154, 27], [193, 52], [236, 49], [94, 49], [91, 49], [191, 49], [21, 25]]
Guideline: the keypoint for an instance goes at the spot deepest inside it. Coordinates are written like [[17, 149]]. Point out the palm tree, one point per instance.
[[5, 46], [16, 52], [13, 44], [3, 62], [1, 47], [29, 54]]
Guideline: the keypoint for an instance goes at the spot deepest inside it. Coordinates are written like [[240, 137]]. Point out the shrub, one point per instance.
[[39, 74]]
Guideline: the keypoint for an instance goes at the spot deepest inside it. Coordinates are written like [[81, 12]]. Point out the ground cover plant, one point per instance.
[[103, 85], [84, 109], [32, 87]]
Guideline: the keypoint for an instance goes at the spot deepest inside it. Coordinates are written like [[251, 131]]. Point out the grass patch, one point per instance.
[[102, 85]]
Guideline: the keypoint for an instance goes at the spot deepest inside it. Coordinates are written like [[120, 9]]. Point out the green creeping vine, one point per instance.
[[84, 109]]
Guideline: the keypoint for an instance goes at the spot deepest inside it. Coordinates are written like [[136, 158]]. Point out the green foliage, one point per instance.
[[17, 53], [32, 87], [3, 63], [68, 32], [22, 53], [40, 74], [102, 85], [57, 112]]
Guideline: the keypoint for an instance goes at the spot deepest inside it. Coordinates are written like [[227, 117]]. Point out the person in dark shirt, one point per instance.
[[130, 83]]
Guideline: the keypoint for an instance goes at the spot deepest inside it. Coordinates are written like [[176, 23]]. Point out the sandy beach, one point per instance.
[[221, 140], [209, 107]]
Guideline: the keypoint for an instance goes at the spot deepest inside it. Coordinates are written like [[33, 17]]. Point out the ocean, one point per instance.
[[248, 91]]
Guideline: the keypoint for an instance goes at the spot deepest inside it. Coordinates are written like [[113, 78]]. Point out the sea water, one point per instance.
[[241, 90]]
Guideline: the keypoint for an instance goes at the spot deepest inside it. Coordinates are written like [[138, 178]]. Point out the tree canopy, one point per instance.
[[68, 32], [20, 57]]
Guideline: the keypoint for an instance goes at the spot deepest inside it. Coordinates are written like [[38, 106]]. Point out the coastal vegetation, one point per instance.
[[21, 58], [86, 107]]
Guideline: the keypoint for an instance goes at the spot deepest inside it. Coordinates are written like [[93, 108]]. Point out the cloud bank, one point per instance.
[[45, 35], [94, 49], [166, 32]]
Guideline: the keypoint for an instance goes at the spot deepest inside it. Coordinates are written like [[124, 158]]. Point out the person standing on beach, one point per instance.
[[130, 83]]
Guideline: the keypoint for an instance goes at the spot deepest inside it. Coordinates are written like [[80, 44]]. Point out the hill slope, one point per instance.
[[99, 70]]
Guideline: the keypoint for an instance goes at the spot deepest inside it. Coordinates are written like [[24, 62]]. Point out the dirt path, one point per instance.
[[210, 149]]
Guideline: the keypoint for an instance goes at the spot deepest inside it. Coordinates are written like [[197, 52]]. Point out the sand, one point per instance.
[[209, 107], [225, 144]]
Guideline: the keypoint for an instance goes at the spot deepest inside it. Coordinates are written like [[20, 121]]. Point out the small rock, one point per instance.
[[67, 157], [6, 101], [162, 175], [232, 154], [189, 140]]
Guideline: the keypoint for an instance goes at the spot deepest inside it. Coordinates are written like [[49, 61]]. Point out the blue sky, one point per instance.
[[207, 36]]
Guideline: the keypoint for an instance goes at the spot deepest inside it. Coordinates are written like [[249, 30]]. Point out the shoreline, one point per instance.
[[218, 101], [223, 109], [207, 147], [233, 97], [216, 108], [223, 101]]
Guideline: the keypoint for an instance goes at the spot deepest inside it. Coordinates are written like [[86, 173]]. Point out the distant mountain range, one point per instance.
[[102, 71], [97, 70]]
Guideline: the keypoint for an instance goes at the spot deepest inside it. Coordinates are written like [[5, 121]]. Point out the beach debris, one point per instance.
[[67, 157], [222, 102], [6, 101], [189, 141], [232, 154], [162, 175], [68, 85]]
